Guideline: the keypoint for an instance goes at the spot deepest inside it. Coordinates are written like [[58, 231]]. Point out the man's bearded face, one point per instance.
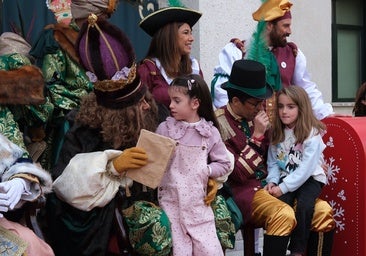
[[278, 39], [279, 33]]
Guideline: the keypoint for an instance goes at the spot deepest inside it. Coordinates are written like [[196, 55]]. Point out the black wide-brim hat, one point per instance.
[[249, 76], [156, 20]]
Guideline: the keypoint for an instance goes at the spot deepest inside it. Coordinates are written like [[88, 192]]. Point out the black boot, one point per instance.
[[320, 243], [275, 245]]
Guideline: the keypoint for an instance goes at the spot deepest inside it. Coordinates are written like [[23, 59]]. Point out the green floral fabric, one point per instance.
[[225, 228], [9, 128], [149, 229], [66, 81], [65, 84]]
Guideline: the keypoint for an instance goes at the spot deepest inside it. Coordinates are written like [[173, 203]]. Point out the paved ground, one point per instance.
[[239, 245]]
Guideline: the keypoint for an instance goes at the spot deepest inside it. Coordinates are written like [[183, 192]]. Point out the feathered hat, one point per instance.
[[271, 10], [156, 20], [109, 58]]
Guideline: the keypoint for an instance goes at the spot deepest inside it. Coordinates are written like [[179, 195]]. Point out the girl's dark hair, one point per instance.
[[196, 87]]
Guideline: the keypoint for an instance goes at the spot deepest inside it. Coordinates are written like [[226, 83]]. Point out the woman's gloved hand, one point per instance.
[[10, 193], [131, 158], [211, 191]]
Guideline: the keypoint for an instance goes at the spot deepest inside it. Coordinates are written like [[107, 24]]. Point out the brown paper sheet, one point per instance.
[[159, 150]]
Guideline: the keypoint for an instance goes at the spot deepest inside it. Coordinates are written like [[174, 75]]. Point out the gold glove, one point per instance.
[[211, 191], [131, 158]]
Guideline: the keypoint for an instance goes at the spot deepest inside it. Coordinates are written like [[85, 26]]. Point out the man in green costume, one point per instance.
[[66, 81]]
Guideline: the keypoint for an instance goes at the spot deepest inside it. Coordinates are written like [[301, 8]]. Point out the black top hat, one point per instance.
[[249, 76], [156, 20]]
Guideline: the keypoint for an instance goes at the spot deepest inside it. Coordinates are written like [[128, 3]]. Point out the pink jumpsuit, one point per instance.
[[181, 196]]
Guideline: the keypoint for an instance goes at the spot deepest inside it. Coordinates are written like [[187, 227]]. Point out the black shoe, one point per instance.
[[257, 254]]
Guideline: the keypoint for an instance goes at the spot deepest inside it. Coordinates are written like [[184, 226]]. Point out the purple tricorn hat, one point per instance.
[[109, 58]]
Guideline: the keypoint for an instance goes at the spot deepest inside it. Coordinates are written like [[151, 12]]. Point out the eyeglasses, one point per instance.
[[256, 104]]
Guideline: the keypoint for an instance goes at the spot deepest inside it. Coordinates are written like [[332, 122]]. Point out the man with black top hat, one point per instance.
[[244, 125]]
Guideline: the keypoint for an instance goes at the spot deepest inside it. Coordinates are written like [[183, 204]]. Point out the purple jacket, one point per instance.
[[249, 157]]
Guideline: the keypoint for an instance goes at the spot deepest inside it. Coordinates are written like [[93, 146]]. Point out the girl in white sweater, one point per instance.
[[295, 159]]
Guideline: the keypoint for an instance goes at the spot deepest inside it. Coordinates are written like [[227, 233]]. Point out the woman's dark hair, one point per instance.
[[360, 109]]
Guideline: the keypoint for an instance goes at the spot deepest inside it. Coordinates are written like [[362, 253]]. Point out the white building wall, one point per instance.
[[226, 19]]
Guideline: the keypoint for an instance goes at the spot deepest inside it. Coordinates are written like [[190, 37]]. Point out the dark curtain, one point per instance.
[[25, 17], [28, 18], [128, 15]]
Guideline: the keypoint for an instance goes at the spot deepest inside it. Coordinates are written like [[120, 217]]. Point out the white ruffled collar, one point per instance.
[[195, 69]]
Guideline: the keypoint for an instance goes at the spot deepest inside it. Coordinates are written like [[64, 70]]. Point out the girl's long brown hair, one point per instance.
[[305, 121], [164, 46]]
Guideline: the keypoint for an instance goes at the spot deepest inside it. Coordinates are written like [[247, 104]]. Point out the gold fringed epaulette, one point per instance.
[[219, 112], [225, 129]]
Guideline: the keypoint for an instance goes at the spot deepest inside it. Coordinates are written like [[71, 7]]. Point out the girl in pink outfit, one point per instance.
[[200, 154]]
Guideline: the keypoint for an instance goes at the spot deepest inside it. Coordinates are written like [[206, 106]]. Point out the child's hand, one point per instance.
[[211, 191], [275, 191], [269, 186]]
